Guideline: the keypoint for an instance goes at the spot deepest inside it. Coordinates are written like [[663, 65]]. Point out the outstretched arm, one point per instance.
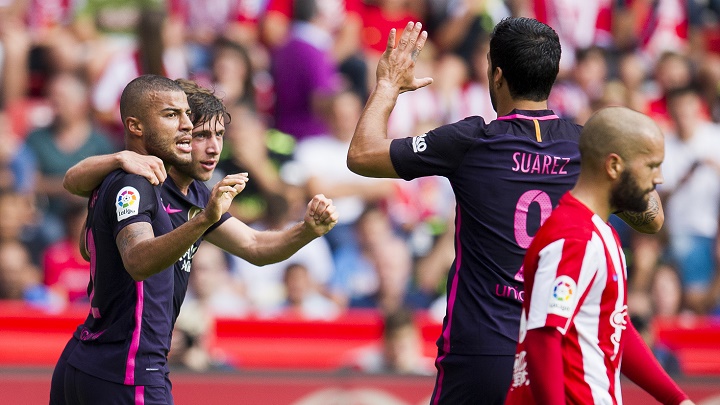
[[648, 221], [87, 174], [143, 254], [369, 153], [265, 247]]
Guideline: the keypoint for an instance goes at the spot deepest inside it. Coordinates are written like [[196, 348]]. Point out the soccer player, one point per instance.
[[506, 174], [183, 196], [575, 331], [119, 354]]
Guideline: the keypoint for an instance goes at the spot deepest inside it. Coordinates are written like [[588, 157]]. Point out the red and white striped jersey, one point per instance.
[[575, 281]]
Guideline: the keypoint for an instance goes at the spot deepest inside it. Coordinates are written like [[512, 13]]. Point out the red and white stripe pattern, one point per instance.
[[579, 287]]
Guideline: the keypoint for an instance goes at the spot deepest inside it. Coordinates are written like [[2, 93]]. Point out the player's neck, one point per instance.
[[593, 196], [518, 104], [181, 181]]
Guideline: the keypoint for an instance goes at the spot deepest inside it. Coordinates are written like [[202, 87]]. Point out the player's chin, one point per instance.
[[202, 175]]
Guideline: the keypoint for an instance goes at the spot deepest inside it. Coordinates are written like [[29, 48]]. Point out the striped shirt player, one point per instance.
[[576, 282], [507, 175]]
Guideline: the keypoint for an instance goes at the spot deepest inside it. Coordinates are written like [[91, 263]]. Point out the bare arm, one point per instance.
[[265, 247], [649, 221], [87, 174], [369, 153], [143, 254]]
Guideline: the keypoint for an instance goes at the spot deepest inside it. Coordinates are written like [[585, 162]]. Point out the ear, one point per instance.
[[134, 126], [614, 166], [497, 77]]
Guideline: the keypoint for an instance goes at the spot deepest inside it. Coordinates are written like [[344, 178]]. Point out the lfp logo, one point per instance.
[[128, 203], [563, 290], [563, 297], [126, 199]]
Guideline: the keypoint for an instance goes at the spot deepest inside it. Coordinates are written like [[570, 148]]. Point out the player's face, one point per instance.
[[207, 143], [167, 127], [637, 182]]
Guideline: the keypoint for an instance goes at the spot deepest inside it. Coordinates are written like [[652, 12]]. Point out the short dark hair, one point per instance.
[[204, 104], [132, 100], [528, 52], [304, 10]]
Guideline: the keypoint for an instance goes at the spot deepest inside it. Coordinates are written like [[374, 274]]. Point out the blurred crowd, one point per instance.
[[294, 76]]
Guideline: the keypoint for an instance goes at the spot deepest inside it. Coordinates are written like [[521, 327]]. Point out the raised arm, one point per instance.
[[369, 153], [143, 254], [648, 221], [87, 174], [265, 247]]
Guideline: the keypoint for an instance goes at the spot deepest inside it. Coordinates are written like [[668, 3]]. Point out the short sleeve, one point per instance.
[[131, 199], [565, 269], [222, 219], [436, 153]]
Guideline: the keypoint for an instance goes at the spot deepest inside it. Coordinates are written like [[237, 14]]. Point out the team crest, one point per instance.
[[127, 203]]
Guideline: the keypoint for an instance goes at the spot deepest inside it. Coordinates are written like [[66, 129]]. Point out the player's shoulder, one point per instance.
[[469, 127]]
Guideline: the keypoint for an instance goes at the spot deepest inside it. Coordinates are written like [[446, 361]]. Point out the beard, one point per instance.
[[165, 150], [628, 196]]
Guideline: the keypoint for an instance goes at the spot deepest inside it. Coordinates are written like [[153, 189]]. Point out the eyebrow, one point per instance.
[[175, 109]]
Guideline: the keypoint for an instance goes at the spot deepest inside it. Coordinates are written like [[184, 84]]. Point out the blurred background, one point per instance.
[[351, 318]]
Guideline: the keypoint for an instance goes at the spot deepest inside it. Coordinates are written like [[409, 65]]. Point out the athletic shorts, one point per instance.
[[472, 379]]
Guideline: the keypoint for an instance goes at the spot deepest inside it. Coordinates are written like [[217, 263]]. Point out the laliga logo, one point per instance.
[[563, 291], [126, 199]]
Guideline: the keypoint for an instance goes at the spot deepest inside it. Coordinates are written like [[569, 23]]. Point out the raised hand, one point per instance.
[[320, 215], [397, 65], [150, 167], [222, 195]]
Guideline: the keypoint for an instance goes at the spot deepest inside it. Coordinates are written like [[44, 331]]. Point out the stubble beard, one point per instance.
[[628, 196]]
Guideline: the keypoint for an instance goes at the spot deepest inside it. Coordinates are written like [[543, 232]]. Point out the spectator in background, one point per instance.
[[157, 50], [692, 195], [632, 72], [343, 20], [212, 287], [250, 147], [303, 300], [70, 138], [401, 351], [571, 98], [64, 268], [264, 285], [672, 71], [305, 74], [321, 161], [20, 279]]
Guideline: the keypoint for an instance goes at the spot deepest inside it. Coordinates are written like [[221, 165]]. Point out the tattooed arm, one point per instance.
[[648, 221]]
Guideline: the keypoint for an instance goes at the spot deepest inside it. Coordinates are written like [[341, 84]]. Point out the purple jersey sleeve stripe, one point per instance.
[[135, 343], [90, 240], [527, 117], [452, 294], [140, 395]]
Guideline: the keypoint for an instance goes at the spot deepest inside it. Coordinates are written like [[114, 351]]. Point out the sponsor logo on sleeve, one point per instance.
[[418, 143], [562, 300], [127, 203]]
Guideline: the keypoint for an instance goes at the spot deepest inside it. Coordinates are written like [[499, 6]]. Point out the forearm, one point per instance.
[[87, 174], [152, 255], [648, 221], [370, 144], [261, 247], [642, 368], [368, 191]]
